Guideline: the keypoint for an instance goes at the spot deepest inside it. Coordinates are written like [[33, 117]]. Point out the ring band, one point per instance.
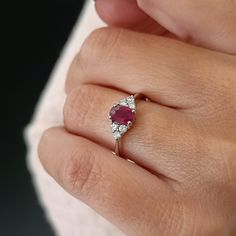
[[122, 116]]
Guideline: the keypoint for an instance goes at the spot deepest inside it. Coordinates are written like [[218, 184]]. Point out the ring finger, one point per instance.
[[151, 142]]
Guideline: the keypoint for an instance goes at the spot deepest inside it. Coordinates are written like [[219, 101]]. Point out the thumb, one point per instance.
[[207, 23]]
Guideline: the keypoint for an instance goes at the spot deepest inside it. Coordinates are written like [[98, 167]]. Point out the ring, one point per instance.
[[122, 116]]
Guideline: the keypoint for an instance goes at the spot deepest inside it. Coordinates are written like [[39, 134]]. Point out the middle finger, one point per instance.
[[167, 71]]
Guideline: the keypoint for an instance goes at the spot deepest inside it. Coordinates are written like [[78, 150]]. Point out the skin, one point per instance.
[[183, 143], [207, 23]]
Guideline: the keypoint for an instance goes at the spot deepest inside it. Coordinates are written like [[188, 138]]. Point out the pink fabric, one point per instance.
[[67, 215]]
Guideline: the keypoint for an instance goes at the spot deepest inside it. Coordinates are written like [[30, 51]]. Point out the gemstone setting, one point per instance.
[[122, 116]]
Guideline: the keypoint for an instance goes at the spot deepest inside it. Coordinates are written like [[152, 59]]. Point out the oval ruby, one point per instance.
[[122, 114]]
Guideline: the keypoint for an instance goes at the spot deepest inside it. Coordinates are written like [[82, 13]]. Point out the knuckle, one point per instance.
[[101, 43], [100, 47], [81, 173], [77, 110]]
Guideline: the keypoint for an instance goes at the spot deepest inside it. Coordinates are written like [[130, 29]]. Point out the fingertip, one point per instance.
[[44, 147], [127, 14], [121, 13]]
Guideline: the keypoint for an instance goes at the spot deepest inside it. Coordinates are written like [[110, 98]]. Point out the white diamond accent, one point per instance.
[[114, 127], [118, 130], [123, 129], [123, 102], [117, 135], [130, 98], [131, 102]]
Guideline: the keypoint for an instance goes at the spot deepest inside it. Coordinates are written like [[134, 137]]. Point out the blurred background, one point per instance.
[[32, 36]]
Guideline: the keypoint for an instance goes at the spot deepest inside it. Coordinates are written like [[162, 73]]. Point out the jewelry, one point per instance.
[[122, 116]]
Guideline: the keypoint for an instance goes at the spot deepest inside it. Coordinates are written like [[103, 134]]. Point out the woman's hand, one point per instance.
[[183, 141]]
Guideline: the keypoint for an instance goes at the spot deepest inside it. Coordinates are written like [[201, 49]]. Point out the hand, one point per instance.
[[183, 141], [207, 23]]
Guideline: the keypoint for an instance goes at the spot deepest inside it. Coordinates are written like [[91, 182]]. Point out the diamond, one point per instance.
[[130, 98], [117, 135], [130, 102], [123, 102], [114, 127], [123, 129]]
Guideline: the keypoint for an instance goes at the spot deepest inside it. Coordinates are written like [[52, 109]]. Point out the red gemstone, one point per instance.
[[122, 114]]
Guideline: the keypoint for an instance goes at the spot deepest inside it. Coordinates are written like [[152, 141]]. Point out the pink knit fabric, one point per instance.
[[67, 215]]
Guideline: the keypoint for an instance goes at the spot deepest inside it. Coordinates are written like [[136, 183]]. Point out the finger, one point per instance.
[[115, 188], [127, 14], [211, 24], [167, 71], [151, 142]]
